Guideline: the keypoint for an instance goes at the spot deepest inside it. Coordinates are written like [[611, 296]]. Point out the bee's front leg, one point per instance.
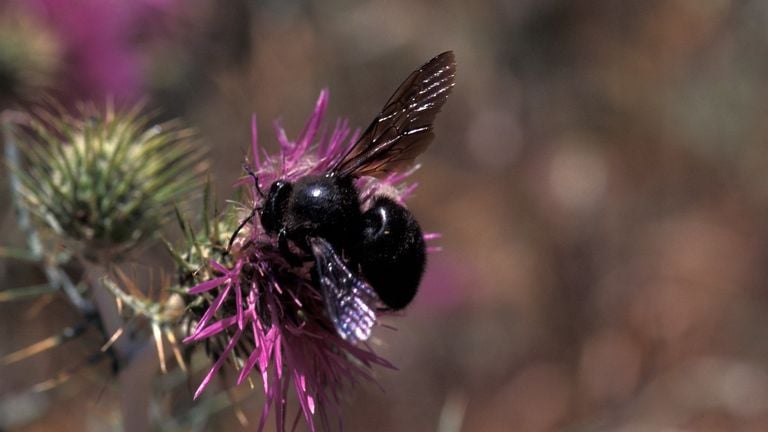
[[282, 244]]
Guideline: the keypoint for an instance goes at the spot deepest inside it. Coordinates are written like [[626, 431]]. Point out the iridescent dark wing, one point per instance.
[[403, 129], [349, 300]]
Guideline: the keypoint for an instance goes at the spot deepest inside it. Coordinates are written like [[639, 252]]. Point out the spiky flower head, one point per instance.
[[269, 317], [102, 180], [29, 54]]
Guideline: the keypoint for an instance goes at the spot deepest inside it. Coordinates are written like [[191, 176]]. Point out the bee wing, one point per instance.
[[403, 129], [349, 300]]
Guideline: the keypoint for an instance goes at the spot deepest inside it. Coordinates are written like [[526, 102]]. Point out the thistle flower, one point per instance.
[[307, 324], [105, 43], [105, 181], [267, 316]]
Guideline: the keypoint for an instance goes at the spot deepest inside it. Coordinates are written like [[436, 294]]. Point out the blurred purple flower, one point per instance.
[[269, 314], [446, 286], [101, 43]]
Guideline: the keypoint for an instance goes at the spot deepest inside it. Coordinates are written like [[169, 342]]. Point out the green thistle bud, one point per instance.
[[106, 181]]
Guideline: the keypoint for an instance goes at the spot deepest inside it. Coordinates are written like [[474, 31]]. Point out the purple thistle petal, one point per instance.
[[266, 355], [217, 365], [209, 313], [282, 137], [264, 412], [278, 355], [207, 285], [248, 366], [213, 329], [282, 402], [313, 123], [255, 143], [408, 191], [219, 268], [254, 357], [305, 400], [239, 305]]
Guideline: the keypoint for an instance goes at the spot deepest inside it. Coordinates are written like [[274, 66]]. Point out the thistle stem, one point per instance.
[[138, 358]]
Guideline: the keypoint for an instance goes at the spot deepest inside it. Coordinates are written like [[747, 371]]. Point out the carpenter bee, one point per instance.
[[360, 257]]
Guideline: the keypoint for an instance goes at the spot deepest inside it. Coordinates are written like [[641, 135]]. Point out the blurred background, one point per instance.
[[600, 178]]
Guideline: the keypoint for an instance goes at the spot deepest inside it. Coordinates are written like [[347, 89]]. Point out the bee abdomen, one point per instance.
[[392, 252]]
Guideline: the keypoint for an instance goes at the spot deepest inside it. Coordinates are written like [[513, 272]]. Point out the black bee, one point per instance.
[[363, 256]]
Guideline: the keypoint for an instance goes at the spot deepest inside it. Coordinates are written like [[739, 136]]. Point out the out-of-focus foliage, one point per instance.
[[29, 55], [599, 178]]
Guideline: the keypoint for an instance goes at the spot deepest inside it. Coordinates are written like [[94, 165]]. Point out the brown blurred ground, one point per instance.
[[600, 178]]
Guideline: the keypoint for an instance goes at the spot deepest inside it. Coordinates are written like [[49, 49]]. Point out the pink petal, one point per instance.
[[219, 268], [254, 143], [313, 124], [207, 285], [213, 308], [217, 365], [212, 329], [239, 305], [282, 138], [278, 355]]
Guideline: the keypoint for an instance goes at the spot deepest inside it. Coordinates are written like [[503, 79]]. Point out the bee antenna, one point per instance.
[[255, 178], [239, 227]]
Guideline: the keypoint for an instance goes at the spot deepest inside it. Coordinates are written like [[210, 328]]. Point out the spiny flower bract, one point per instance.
[[267, 316], [105, 180]]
